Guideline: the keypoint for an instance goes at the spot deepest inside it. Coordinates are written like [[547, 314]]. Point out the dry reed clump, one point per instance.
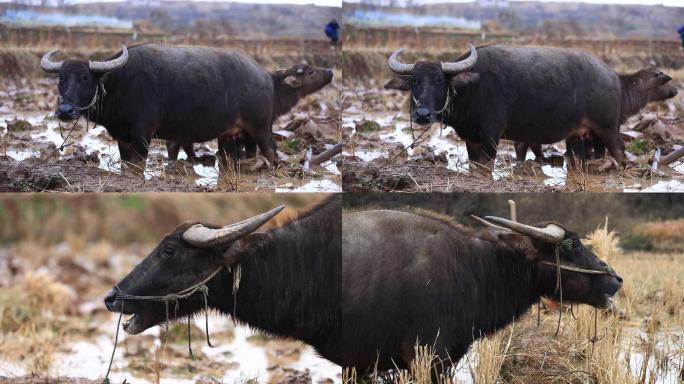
[[605, 243], [32, 321], [668, 231]]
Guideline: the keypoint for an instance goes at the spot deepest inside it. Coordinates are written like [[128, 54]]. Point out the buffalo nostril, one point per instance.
[[619, 279], [423, 112], [65, 109], [110, 298]]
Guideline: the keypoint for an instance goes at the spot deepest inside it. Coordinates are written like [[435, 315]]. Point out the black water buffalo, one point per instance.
[[290, 276], [416, 277], [289, 85], [184, 94], [637, 90], [530, 94]]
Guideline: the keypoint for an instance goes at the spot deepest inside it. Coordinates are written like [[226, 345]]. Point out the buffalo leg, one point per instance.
[[172, 148], [575, 150], [489, 149], [538, 153], [598, 146], [133, 156], [228, 148], [189, 150], [267, 146], [474, 151], [250, 146], [615, 146], [521, 150]]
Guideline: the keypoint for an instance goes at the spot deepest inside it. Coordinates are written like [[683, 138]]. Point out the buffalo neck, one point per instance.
[[508, 285], [291, 285], [284, 98], [633, 99], [105, 112]]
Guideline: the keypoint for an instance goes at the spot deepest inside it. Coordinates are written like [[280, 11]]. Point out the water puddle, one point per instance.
[[393, 130], [237, 360], [46, 130], [664, 363]]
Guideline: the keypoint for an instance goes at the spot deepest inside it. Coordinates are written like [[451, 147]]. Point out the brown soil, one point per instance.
[[422, 176], [46, 380], [34, 175]]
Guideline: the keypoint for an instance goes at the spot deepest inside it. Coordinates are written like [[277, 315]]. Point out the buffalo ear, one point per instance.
[[241, 248], [521, 242], [398, 83], [292, 82], [465, 78]]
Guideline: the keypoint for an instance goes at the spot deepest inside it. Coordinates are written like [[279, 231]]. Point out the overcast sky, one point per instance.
[[338, 3], [329, 3], [671, 3]]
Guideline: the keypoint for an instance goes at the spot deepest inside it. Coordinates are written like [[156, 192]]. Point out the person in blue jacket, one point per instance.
[[332, 30], [681, 34]]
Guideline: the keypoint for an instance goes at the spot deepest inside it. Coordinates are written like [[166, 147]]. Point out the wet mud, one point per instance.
[[384, 151]]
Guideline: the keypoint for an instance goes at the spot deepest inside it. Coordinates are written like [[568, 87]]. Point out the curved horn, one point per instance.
[[490, 225], [48, 65], [551, 234], [460, 66], [397, 66], [110, 65], [203, 237]]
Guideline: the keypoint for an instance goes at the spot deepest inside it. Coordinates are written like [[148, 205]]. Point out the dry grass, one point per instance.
[[121, 219], [32, 321]]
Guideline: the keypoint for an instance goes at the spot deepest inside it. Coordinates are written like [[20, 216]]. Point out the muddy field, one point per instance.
[[384, 153], [38, 153], [54, 324]]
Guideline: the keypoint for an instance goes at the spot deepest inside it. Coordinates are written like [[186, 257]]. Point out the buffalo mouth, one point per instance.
[[66, 119], [328, 76], [138, 323], [141, 317], [606, 302], [605, 297]]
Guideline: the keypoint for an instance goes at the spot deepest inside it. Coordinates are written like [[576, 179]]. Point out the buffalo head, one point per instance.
[[182, 259], [655, 84], [540, 244], [304, 79], [79, 81], [432, 85]]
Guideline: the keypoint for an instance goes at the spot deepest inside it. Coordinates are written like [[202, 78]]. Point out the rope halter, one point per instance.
[[99, 88], [444, 108]]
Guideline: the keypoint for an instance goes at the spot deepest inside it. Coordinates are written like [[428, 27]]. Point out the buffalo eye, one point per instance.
[[576, 244], [168, 250], [439, 80], [311, 72], [85, 78]]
